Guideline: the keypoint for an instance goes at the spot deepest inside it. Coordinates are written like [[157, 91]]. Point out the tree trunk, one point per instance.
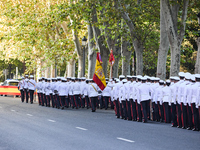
[[91, 53], [197, 65], [175, 60], [163, 48], [71, 68], [47, 72], [139, 57], [126, 56], [79, 52], [170, 13], [52, 71]]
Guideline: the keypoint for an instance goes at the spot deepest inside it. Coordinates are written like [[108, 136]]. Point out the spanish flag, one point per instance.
[[99, 77]]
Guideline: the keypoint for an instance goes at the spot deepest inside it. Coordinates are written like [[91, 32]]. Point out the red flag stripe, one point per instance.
[[98, 82]]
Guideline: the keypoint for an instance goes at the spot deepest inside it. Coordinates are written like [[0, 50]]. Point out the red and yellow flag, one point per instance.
[[99, 77], [111, 59]]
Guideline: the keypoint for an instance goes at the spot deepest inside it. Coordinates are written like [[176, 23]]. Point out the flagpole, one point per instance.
[[111, 73]]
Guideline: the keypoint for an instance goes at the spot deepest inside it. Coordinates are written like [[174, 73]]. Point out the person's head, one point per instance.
[[121, 77], [168, 82], [143, 79], [26, 76], [197, 77], [129, 78], [181, 75], [161, 82]]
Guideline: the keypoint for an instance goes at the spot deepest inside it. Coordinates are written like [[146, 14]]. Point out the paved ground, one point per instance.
[[32, 127]]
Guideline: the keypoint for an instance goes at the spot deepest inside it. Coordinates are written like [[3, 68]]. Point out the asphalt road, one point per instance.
[[31, 127]]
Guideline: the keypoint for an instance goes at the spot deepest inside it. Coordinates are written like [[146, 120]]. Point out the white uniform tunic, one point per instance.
[[93, 90], [26, 83], [144, 92], [21, 85], [38, 86], [76, 88], [166, 93], [31, 84], [63, 89], [195, 93]]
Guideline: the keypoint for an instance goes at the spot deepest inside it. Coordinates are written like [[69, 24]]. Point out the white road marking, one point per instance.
[[51, 120], [81, 128], [13, 110], [125, 140], [29, 115]]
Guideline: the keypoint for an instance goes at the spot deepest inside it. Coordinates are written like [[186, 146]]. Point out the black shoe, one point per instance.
[[125, 119], [173, 126], [62, 108], [118, 117], [183, 127], [31, 102], [93, 110], [179, 127], [144, 121], [195, 129], [139, 120], [189, 128]]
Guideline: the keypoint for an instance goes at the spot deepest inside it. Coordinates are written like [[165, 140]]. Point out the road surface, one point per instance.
[[31, 127]]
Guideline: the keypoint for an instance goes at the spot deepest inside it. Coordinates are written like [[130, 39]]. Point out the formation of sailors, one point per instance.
[[146, 98], [135, 98]]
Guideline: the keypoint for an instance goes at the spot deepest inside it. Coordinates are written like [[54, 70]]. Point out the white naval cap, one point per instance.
[[83, 78], [49, 79], [157, 79], [176, 78], [26, 75], [181, 74], [124, 80], [197, 76], [134, 77], [63, 79], [168, 81], [121, 76], [152, 78], [22, 77], [111, 80], [139, 76], [117, 80], [192, 77], [31, 76], [188, 75], [128, 76], [143, 78], [161, 81]]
